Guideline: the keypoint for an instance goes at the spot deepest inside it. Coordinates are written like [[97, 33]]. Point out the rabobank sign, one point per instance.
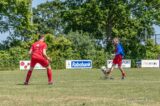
[[78, 64]]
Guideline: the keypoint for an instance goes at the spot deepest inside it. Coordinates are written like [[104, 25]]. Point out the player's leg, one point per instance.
[[49, 74], [46, 64], [112, 67], [29, 73], [110, 70], [119, 62], [122, 71]]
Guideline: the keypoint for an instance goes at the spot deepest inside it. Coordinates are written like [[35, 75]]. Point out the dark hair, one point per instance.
[[41, 36]]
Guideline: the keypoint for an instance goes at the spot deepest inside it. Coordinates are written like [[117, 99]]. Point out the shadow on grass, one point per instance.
[[21, 84], [106, 78]]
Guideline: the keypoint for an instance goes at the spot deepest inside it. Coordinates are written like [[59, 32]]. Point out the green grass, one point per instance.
[[81, 88]]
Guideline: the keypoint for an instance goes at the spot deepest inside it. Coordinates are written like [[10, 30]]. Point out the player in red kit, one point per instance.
[[38, 55]]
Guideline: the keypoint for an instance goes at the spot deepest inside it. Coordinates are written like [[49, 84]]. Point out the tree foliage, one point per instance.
[[80, 29], [47, 17], [130, 20], [14, 14]]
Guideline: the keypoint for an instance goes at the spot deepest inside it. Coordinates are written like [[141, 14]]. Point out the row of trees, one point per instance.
[[80, 29]]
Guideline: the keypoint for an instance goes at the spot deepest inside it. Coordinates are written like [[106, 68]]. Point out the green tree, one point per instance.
[[15, 17], [84, 47], [47, 17], [14, 14], [130, 20], [152, 50], [59, 49]]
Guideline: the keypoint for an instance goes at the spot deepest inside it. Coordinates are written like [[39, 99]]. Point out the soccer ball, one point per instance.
[[104, 69]]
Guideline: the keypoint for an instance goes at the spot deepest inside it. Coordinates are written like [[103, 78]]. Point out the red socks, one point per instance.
[[28, 76], [123, 74], [49, 74]]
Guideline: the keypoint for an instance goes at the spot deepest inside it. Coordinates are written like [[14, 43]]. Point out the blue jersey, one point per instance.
[[119, 49]]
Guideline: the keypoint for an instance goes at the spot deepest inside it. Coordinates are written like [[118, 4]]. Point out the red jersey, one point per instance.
[[37, 49]]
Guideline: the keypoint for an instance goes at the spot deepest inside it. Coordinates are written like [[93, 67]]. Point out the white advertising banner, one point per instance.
[[125, 63], [150, 63], [25, 65], [77, 64]]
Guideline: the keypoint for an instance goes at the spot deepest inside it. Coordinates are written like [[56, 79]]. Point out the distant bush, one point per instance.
[[72, 46]]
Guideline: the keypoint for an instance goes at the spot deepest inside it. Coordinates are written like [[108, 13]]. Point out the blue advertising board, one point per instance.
[[73, 64]]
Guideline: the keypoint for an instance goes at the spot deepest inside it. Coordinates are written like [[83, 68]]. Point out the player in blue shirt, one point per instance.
[[119, 54]]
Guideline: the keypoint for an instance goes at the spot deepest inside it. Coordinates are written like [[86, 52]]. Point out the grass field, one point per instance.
[[81, 88]]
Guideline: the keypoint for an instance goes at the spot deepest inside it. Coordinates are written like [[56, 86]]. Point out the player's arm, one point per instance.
[[30, 52], [45, 55]]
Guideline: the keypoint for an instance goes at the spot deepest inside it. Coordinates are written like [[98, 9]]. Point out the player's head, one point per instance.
[[41, 37], [115, 41]]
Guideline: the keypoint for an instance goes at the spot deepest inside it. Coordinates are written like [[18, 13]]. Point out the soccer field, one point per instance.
[[81, 88]]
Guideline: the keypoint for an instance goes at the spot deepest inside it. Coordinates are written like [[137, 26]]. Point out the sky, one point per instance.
[[157, 29], [37, 2], [3, 36]]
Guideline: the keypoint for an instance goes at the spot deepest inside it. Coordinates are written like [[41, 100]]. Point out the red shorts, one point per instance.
[[117, 60], [42, 61]]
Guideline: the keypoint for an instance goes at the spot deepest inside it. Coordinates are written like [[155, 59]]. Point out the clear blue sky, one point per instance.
[[37, 2], [157, 29], [3, 36]]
